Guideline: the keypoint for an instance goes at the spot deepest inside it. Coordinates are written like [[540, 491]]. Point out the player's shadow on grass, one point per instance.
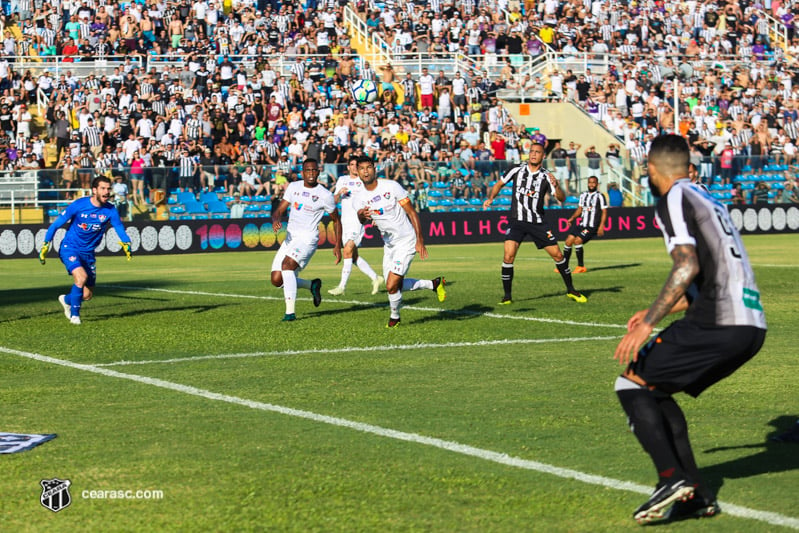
[[589, 293], [615, 267], [772, 457], [467, 312], [353, 308], [200, 308]]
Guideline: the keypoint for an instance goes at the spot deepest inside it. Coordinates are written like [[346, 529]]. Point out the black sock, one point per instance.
[[579, 251], [566, 274], [507, 279], [648, 424], [678, 433], [567, 253]]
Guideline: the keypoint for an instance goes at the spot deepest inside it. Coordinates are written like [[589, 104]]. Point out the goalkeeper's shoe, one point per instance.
[[393, 323], [125, 248], [338, 290], [316, 291], [438, 287], [75, 320], [577, 297], [665, 494], [67, 309], [43, 252]]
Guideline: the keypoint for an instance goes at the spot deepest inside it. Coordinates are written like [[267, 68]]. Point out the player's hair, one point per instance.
[[98, 180], [670, 155], [353, 157], [365, 159], [310, 160]]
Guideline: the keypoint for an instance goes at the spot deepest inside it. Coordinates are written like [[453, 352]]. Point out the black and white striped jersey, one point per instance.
[[592, 205], [529, 190], [724, 292]]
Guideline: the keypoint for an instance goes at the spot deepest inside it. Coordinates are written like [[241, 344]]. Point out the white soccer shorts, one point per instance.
[[352, 232], [398, 256], [300, 248]]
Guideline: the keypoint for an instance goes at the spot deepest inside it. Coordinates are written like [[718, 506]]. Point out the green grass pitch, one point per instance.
[[468, 417]]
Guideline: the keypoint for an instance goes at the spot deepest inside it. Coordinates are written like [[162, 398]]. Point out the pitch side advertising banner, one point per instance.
[[194, 236]]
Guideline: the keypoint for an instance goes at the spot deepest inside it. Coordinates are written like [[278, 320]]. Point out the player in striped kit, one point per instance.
[[724, 326], [352, 230], [593, 212], [531, 183]]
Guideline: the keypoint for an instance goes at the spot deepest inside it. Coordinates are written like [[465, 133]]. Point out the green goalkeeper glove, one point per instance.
[[43, 252], [126, 248]]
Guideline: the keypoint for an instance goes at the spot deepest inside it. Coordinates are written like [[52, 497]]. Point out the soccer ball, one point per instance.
[[364, 92]]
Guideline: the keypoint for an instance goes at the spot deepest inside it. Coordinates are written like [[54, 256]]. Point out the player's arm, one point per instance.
[[670, 300], [62, 219], [334, 216], [555, 186], [277, 215], [493, 193], [407, 205], [601, 230], [124, 240], [575, 215]]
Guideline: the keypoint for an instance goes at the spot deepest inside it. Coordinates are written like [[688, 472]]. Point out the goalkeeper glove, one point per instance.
[[43, 252], [126, 248]]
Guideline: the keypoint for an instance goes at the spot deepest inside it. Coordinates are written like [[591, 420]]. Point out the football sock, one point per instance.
[[410, 284], [578, 250], [346, 270], [290, 290], [567, 253], [565, 273], [507, 278], [647, 423], [678, 429], [394, 302], [75, 299], [366, 268], [303, 283]]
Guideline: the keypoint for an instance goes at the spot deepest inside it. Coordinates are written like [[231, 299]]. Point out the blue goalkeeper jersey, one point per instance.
[[88, 225]]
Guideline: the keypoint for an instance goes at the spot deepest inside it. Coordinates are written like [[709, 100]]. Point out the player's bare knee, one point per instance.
[[277, 278]]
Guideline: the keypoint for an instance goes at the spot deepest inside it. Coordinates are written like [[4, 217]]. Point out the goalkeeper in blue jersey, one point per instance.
[[89, 217]]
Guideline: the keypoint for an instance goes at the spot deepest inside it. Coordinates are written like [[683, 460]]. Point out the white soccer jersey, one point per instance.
[[308, 206], [349, 215], [385, 202]]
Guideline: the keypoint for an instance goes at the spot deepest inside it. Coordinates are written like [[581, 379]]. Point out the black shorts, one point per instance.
[[539, 234], [688, 357], [585, 234]]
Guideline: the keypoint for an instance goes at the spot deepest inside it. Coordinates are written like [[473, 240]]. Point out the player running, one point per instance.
[[309, 201], [386, 204], [352, 230], [89, 217]]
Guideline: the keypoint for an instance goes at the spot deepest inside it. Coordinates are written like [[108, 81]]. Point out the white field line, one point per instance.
[[374, 304], [355, 349], [464, 449]]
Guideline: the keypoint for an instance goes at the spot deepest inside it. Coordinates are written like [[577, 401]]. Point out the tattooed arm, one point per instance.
[[670, 300]]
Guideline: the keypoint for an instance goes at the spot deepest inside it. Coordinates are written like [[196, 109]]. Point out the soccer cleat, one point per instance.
[[393, 323], [316, 291], [438, 286], [289, 317], [376, 283], [67, 309], [74, 320], [665, 494], [577, 297], [338, 290], [579, 270], [792, 435], [506, 301], [555, 270], [694, 508]]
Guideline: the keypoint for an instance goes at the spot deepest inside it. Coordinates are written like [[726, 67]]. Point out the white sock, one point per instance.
[[289, 290], [394, 302], [303, 283], [410, 284], [346, 270], [365, 268]]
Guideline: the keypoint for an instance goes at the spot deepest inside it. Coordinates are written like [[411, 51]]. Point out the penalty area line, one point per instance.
[[451, 446], [355, 349], [461, 312]]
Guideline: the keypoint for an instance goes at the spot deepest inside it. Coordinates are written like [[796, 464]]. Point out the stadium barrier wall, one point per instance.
[[196, 236]]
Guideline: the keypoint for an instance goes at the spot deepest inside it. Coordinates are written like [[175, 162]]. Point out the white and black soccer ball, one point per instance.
[[364, 92]]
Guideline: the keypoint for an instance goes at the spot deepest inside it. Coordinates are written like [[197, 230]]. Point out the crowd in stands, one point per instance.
[[212, 111]]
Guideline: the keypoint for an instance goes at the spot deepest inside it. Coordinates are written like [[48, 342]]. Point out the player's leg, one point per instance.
[[394, 284], [580, 253], [367, 269], [347, 252], [511, 247], [567, 248], [397, 260], [563, 268]]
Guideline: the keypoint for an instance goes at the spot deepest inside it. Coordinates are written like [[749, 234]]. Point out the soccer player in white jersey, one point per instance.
[[352, 230], [309, 201], [386, 204]]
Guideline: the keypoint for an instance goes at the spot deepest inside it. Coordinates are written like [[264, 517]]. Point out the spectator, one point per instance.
[[760, 194], [615, 197]]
